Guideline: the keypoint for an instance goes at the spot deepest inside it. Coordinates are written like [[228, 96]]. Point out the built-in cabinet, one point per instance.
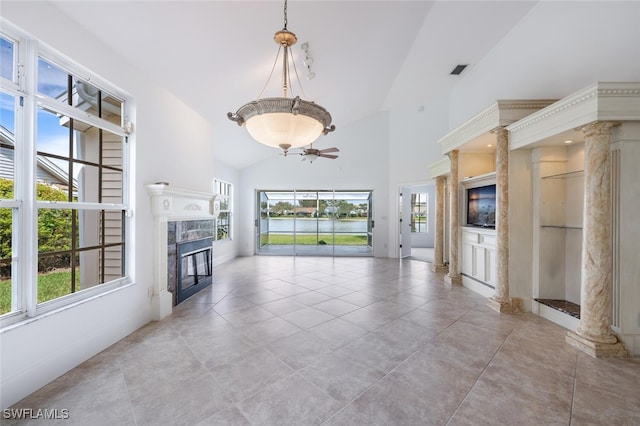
[[478, 243], [473, 259], [554, 139], [558, 214], [479, 255], [560, 230], [547, 182]]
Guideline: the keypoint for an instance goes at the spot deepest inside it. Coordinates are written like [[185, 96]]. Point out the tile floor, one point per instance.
[[342, 341]]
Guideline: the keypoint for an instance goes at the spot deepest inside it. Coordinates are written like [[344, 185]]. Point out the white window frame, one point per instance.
[[217, 186], [25, 306], [426, 212]]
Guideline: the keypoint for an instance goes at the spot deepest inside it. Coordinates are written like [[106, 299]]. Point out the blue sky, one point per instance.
[[52, 82], [6, 71]]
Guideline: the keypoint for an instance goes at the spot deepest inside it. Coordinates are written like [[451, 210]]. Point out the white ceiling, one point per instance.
[[368, 55]]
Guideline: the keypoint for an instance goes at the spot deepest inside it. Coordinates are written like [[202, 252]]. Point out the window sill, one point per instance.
[[19, 319]]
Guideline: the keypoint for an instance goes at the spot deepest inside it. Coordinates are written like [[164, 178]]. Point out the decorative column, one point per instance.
[[438, 241], [501, 301], [594, 336], [453, 277]]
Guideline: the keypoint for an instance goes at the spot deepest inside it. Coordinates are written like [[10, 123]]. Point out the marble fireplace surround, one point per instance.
[[172, 204]]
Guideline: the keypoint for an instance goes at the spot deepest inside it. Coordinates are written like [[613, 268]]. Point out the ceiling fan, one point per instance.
[[311, 153]]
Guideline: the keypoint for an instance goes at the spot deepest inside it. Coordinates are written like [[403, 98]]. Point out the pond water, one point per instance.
[[319, 225]]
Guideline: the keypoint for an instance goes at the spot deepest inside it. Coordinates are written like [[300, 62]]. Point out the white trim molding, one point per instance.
[[500, 113], [601, 101], [440, 168]]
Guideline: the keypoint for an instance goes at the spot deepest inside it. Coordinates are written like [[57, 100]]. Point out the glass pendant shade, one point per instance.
[[279, 128], [278, 122], [311, 157]]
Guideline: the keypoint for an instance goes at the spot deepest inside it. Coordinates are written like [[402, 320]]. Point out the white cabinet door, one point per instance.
[[490, 267]]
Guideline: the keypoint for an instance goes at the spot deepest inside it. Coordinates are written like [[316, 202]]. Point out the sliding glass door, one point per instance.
[[315, 223]]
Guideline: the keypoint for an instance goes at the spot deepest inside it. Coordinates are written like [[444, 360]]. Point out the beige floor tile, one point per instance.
[[291, 401], [407, 349]]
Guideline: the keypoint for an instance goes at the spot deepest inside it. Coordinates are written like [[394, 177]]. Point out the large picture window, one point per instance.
[[315, 222], [63, 154]]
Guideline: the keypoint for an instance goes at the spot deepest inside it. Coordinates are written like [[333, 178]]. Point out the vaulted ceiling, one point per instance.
[[368, 56]]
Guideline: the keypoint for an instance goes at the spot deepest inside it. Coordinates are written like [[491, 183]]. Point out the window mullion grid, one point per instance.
[[79, 206], [26, 155], [100, 179], [11, 88], [75, 113]]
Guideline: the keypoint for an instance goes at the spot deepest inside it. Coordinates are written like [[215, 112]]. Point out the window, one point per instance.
[[7, 56], [223, 222], [419, 208], [66, 210]]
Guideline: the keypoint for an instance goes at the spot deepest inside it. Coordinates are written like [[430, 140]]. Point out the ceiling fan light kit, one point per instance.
[[283, 121], [310, 153]]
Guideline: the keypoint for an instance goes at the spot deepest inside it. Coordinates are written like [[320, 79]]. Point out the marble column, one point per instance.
[[594, 336], [501, 301], [453, 277], [438, 240]]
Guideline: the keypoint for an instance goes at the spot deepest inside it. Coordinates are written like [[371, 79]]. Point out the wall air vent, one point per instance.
[[458, 69]]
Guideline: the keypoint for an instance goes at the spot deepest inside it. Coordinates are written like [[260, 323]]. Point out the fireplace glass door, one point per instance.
[[194, 267]]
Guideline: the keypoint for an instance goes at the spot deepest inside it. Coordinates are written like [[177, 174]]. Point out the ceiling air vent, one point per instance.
[[458, 69]]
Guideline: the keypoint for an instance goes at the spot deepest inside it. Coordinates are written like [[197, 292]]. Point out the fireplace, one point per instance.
[[179, 216], [190, 256]]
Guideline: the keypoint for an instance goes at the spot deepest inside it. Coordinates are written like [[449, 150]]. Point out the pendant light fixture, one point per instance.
[[284, 122]]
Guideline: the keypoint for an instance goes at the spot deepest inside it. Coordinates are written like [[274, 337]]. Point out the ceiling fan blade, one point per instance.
[[331, 156], [324, 151]]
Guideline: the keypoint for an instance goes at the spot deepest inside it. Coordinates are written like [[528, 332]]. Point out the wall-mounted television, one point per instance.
[[481, 206]]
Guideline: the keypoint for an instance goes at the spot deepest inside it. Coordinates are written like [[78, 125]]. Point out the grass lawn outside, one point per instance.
[[312, 239], [50, 286]]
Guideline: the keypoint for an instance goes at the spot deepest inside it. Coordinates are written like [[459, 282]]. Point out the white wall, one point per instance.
[[412, 146], [362, 165], [555, 50], [171, 143]]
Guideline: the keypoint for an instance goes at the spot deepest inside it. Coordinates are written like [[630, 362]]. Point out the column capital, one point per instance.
[[500, 130], [598, 128]]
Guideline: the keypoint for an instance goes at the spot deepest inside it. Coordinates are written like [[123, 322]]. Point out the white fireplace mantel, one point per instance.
[[169, 204]]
